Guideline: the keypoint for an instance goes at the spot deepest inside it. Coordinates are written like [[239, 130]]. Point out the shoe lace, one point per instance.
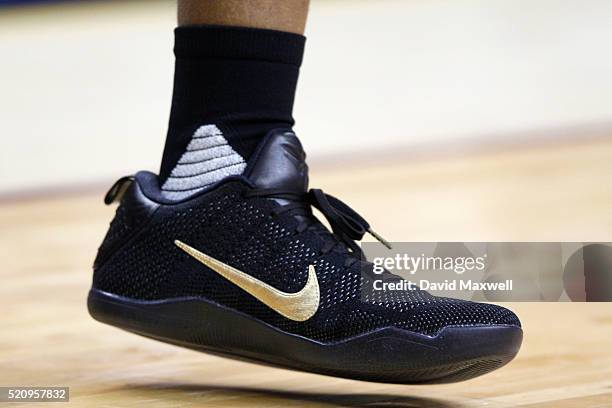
[[346, 224]]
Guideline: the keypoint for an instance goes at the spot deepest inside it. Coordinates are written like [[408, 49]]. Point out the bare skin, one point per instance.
[[282, 15]]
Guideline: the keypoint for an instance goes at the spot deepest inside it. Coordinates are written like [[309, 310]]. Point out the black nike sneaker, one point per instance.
[[244, 269]]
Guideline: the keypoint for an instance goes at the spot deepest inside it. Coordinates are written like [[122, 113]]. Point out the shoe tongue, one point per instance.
[[280, 162]]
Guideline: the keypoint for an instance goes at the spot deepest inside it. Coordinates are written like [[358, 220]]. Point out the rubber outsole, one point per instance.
[[387, 355]]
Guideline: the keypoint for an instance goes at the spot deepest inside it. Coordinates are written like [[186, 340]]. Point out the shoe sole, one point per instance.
[[388, 355]]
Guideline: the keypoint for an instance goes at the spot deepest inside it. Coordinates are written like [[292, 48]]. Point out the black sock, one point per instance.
[[239, 81]]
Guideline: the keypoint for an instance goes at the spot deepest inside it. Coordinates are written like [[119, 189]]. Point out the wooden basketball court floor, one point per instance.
[[549, 193]]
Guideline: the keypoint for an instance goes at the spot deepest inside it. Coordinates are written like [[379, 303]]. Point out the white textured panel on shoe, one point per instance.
[[208, 159]]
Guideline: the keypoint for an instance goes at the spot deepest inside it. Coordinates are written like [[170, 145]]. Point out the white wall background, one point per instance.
[[85, 89]]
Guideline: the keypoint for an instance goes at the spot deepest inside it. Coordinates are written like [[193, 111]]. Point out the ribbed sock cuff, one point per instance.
[[208, 41]]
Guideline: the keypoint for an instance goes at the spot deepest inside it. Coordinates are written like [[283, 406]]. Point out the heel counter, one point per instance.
[[134, 211]]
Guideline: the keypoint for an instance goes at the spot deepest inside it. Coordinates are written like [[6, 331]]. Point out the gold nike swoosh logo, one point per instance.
[[298, 306]]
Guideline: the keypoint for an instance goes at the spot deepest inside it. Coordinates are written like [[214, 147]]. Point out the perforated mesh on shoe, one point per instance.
[[119, 229], [243, 233]]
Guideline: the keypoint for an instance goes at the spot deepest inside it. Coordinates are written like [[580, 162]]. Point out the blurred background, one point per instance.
[[438, 120], [85, 86]]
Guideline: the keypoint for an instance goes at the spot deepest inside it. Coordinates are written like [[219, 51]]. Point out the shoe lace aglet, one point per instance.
[[379, 238]]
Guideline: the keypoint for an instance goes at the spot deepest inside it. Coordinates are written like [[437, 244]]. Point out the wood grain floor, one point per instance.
[[561, 193]]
